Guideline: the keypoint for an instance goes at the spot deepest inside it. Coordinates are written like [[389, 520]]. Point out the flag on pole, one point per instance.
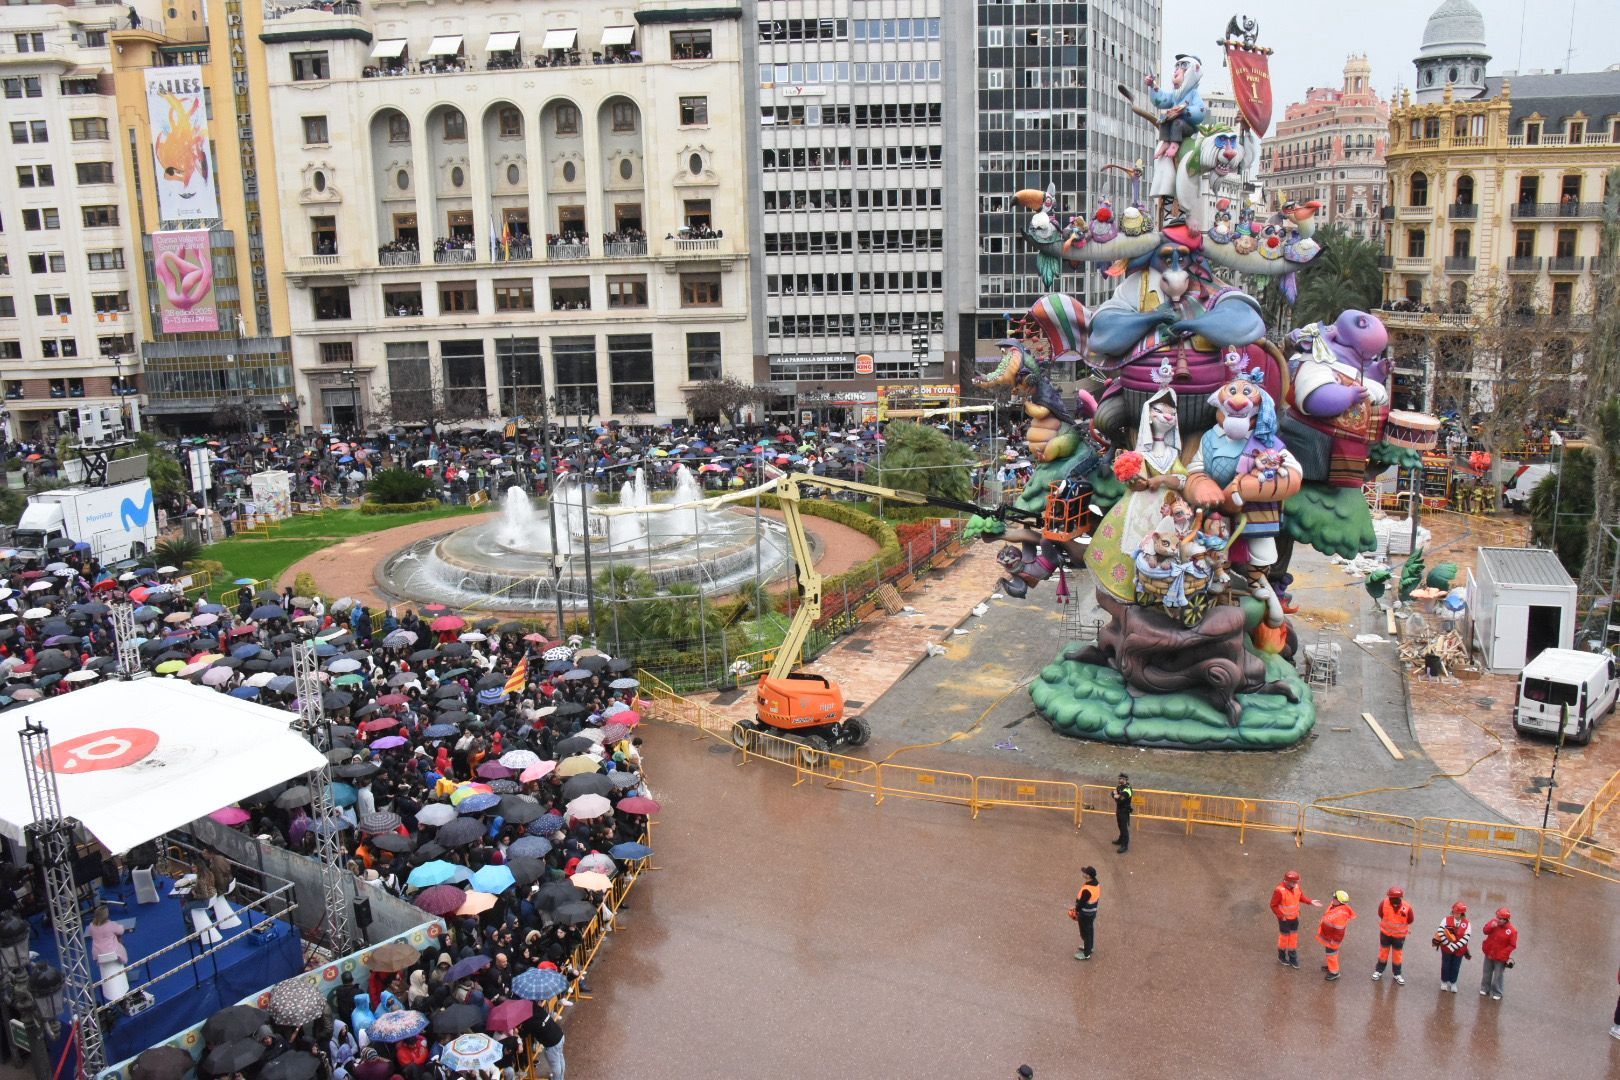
[[519, 680]]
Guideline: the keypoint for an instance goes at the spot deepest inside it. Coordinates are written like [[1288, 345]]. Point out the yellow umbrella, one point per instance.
[[169, 667], [591, 881], [578, 765], [477, 903]]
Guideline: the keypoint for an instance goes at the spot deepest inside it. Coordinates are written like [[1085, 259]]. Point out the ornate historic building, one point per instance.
[[1330, 147]]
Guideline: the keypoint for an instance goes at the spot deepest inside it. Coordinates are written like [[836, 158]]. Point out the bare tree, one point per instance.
[[726, 397], [1600, 412]]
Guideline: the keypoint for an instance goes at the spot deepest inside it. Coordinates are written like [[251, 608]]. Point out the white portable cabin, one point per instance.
[[1521, 602]]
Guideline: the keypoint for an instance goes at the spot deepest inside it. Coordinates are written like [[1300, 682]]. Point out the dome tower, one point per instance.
[[1453, 53]]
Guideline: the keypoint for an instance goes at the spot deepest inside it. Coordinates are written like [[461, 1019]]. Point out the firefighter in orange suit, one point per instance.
[[1330, 932], [1285, 901], [1394, 923]]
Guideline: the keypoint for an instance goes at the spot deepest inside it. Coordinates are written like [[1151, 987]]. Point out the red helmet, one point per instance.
[[1503, 913], [1459, 908], [1396, 892], [1292, 875]]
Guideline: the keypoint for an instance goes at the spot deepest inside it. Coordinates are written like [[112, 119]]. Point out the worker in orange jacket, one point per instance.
[[1395, 917], [1330, 932], [1285, 901]]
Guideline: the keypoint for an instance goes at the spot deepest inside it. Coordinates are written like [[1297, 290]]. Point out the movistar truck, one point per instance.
[[117, 522]]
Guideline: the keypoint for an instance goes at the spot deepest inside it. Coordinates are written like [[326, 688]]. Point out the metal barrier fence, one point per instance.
[[1541, 849]]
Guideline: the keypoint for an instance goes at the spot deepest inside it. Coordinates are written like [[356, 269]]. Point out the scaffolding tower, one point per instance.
[[125, 637], [53, 841], [312, 725]]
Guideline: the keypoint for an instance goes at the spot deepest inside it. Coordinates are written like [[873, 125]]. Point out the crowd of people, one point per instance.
[[483, 772]]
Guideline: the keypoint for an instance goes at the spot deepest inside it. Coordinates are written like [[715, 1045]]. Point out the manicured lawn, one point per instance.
[[346, 523], [257, 559]]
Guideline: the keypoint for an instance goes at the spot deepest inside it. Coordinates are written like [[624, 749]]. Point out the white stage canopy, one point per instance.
[[135, 760]]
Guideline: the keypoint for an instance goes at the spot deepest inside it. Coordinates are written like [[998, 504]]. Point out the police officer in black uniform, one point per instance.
[[1123, 796]]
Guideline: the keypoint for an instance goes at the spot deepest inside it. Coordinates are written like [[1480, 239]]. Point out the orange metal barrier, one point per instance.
[[1190, 808], [989, 791], [1538, 847], [935, 785], [1348, 823]]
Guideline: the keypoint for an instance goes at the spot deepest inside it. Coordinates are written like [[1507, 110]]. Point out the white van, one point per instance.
[[1584, 682]]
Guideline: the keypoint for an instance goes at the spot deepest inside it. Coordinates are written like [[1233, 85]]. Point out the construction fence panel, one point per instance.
[[1592, 859], [1599, 805], [1495, 839], [836, 769], [1347, 823], [1060, 795], [934, 785]]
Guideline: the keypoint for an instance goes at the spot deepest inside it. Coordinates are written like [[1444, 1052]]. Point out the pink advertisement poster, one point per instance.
[[185, 273]]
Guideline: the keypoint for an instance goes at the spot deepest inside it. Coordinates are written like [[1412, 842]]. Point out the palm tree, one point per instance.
[[1344, 276], [680, 616], [919, 457]]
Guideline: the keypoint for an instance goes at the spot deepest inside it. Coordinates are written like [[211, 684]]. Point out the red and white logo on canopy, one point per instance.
[[99, 751]]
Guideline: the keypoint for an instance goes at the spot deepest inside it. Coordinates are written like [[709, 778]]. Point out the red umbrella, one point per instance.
[[389, 701], [238, 631], [433, 609], [105, 586], [639, 804], [139, 594], [382, 723], [538, 639], [448, 622], [440, 899], [509, 1014]]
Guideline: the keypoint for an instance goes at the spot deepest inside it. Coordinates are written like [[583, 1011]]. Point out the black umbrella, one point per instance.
[[576, 744], [235, 1022], [487, 623], [337, 699], [169, 654], [460, 832], [293, 796], [282, 663], [421, 655], [268, 611], [619, 665], [556, 893], [453, 716], [597, 664], [491, 682], [163, 1063], [393, 842], [345, 638], [569, 708], [52, 660], [456, 648], [367, 710], [505, 787], [283, 639], [342, 731], [338, 755], [357, 770], [587, 784], [430, 851], [231, 662], [457, 1020], [575, 914], [526, 871], [448, 690], [257, 664], [518, 811], [234, 1056], [511, 628], [293, 1065], [157, 645]]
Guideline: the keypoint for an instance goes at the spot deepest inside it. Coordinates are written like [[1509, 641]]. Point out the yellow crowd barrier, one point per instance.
[[1539, 848]]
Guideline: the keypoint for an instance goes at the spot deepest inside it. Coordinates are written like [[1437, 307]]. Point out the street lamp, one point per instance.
[[34, 990], [919, 351], [353, 377]]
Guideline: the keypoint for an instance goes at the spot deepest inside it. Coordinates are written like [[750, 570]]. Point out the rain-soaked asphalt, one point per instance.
[[803, 932]]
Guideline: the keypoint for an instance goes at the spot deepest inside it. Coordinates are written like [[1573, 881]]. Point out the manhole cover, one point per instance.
[[1571, 807]]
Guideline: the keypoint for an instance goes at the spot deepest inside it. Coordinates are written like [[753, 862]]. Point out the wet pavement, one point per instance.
[[806, 932]]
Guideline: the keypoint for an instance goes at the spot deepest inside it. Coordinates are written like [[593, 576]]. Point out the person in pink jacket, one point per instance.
[[1501, 937]]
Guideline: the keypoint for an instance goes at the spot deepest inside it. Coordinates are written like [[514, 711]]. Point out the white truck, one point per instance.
[[118, 521], [1579, 686]]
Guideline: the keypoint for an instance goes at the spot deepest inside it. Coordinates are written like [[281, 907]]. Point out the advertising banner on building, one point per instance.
[[185, 278], [184, 164]]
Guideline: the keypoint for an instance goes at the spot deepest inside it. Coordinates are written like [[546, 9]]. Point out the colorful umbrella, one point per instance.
[[578, 765], [471, 1053], [295, 1002], [539, 984], [397, 1026], [591, 881]]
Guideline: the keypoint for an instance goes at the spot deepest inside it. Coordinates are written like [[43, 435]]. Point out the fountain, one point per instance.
[[508, 564]]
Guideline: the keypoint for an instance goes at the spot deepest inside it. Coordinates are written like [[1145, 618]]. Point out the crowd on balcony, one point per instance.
[[625, 236], [445, 244], [700, 231]]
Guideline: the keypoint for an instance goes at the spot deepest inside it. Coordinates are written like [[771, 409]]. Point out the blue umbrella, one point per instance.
[[437, 872], [248, 692], [477, 804], [243, 581], [545, 826], [269, 611], [281, 684], [323, 648], [211, 609], [628, 852], [439, 731], [539, 984], [81, 546], [344, 794], [471, 965], [247, 652], [493, 879], [493, 696], [396, 1027], [556, 667], [529, 847]]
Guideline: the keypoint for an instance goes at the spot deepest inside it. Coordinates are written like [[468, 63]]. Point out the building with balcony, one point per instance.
[[240, 374], [485, 205], [1040, 107], [1330, 147], [67, 324], [1493, 211]]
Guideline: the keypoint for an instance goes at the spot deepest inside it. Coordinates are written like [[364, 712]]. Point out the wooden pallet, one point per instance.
[[889, 597]]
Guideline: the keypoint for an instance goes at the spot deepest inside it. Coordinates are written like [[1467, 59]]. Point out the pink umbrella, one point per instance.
[[218, 676], [639, 804], [231, 815], [509, 1014], [537, 772], [628, 719]]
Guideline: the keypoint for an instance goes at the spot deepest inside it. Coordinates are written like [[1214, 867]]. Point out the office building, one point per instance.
[[1330, 147], [494, 208], [67, 325]]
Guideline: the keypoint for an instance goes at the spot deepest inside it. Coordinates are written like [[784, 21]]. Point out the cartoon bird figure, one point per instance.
[[1103, 226], [1132, 222], [1043, 232]]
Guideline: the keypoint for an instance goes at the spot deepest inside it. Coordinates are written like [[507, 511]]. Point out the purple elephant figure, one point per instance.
[[1337, 399]]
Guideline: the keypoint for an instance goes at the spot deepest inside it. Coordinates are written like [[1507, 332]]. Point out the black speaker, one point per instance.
[[362, 912]]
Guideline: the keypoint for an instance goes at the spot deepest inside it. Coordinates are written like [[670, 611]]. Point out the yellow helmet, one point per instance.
[[1342, 897]]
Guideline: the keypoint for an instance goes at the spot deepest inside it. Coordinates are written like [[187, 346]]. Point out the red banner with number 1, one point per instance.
[[1251, 85]]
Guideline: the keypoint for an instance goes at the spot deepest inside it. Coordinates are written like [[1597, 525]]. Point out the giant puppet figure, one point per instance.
[[1195, 648]]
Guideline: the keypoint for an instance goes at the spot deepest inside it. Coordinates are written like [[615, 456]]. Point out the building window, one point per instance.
[[310, 66], [455, 126], [567, 120], [337, 352], [465, 391], [410, 381], [100, 217], [399, 128], [105, 260], [515, 295], [315, 131], [31, 41], [624, 116], [1564, 245], [1418, 190], [574, 360], [1462, 243], [8, 307], [87, 129], [35, 176], [458, 296], [330, 302], [691, 45], [570, 294], [700, 290], [47, 262], [11, 350], [1416, 239], [703, 357], [522, 376], [35, 220], [1532, 134], [627, 292], [696, 214], [1524, 244], [694, 110], [1529, 190], [109, 303], [26, 86], [323, 235], [509, 123], [94, 172], [401, 301], [29, 131], [630, 366]]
